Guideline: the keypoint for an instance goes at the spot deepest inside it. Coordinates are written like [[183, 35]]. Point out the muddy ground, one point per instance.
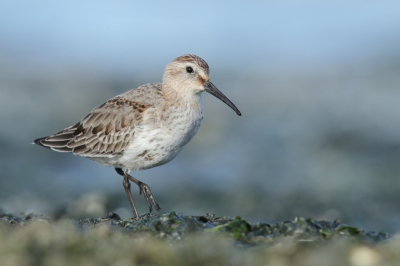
[[177, 239]]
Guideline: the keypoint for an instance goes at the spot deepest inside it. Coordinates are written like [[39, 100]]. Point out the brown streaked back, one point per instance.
[[107, 130]]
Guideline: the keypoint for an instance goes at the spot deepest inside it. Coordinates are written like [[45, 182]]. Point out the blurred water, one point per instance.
[[318, 86]]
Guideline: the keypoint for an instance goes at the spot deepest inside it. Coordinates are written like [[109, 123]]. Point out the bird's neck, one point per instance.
[[188, 103], [181, 95]]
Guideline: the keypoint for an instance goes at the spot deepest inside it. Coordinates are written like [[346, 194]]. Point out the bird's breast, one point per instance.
[[163, 134], [181, 123]]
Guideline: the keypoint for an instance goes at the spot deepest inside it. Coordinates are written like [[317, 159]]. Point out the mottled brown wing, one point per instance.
[[107, 130]]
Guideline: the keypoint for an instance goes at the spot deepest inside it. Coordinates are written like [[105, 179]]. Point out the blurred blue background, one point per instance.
[[318, 84]]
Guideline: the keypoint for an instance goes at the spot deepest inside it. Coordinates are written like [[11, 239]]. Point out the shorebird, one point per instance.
[[144, 127]]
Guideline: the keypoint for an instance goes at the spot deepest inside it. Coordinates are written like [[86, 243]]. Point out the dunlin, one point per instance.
[[144, 127]]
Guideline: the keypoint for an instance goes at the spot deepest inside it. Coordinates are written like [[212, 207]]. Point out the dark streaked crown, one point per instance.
[[194, 59]]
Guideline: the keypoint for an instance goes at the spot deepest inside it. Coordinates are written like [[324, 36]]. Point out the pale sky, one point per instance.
[[113, 35]]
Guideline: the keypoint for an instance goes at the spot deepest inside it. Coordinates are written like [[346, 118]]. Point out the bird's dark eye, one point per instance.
[[189, 70]]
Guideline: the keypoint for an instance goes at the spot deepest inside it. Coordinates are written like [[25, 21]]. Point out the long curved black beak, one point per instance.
[[210, 88]]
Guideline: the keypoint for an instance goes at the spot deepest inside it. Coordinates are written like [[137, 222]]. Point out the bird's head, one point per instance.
[[189, 74]]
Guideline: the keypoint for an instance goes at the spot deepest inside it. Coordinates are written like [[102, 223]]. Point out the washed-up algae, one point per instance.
[[177, 239], [177, 226]]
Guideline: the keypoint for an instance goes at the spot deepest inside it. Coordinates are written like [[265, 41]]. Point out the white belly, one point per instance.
[[157, 142], [158, 146]]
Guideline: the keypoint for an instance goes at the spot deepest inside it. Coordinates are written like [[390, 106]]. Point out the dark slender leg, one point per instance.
[[143, 188], [127, 187]]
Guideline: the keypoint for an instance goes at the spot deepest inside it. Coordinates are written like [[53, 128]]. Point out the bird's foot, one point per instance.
[[145, 189]]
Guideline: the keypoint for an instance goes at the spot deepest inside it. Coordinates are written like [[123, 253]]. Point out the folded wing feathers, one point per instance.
[[107, 130]]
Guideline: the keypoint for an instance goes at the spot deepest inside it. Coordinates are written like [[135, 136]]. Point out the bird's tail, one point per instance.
[[58, 141], [39, 142]]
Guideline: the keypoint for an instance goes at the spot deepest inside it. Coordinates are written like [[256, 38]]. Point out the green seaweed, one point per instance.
[[177, 239]]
